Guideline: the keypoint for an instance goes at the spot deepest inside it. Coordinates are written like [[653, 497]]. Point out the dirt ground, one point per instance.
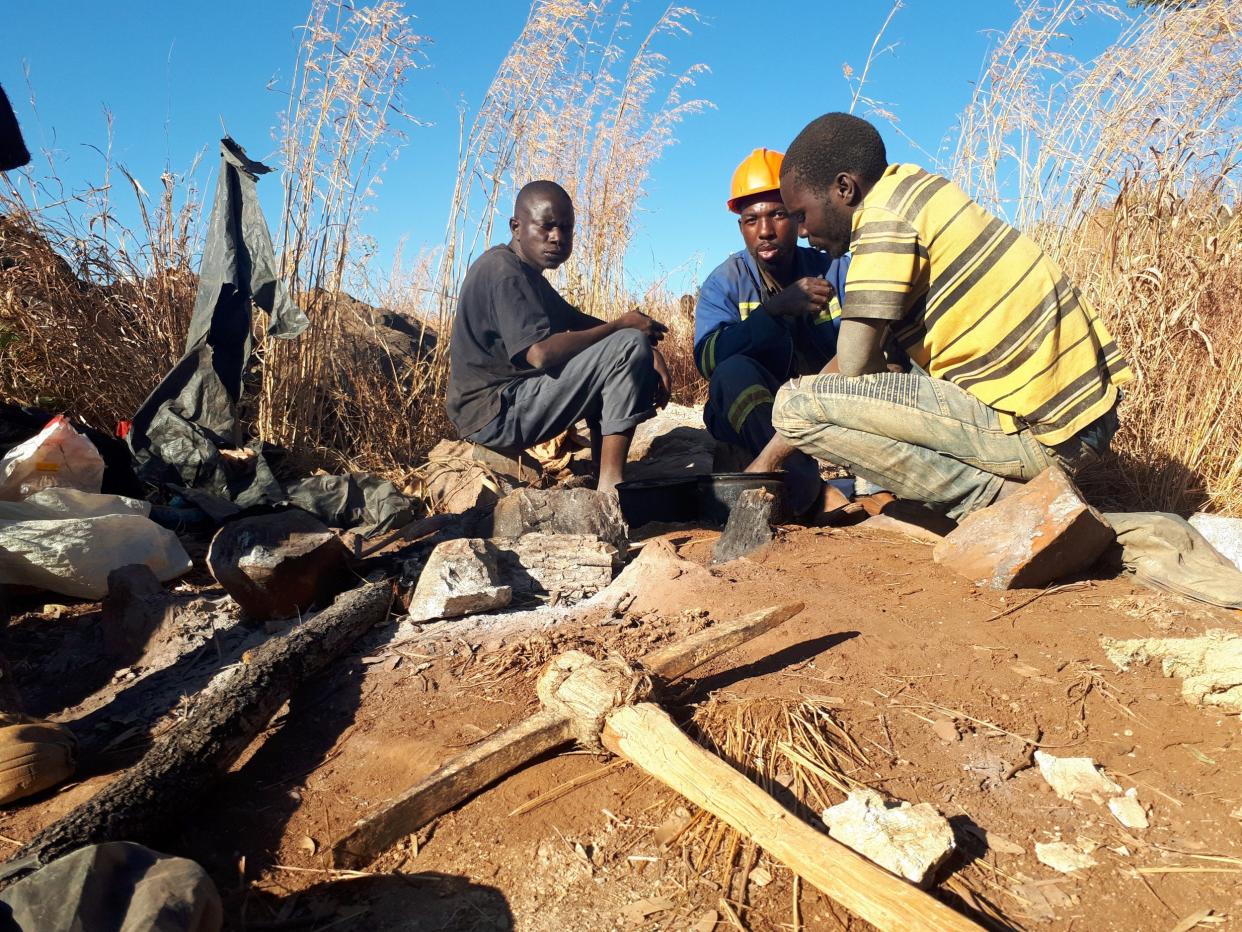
[[942, 687]]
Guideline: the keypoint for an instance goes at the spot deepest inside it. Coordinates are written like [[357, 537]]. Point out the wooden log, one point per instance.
[[645, 735], [481, 766], [678, 659], [451, 784], [174, 774]]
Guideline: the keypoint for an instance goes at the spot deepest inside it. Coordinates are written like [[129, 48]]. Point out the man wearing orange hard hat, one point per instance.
[[768, 313]]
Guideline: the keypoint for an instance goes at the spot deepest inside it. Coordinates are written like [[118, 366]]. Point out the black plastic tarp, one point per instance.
[[180, 435]]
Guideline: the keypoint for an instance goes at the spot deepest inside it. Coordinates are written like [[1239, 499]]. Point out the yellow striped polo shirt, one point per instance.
[[980, 305]]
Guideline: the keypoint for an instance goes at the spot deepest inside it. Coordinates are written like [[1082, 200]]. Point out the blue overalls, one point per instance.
[[747, 354]]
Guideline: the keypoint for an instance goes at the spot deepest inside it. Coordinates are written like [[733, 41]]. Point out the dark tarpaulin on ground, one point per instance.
[[186, 435]]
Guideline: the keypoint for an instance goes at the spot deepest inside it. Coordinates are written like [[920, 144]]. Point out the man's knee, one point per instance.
[[734, 375], [794, 410], [631, 347]]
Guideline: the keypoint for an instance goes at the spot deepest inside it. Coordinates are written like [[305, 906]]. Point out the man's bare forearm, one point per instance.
[[860, 346], [559, 348]]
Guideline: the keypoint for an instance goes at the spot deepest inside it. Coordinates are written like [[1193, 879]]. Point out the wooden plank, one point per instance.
[[680, 658], [453, 783], [645, 735]]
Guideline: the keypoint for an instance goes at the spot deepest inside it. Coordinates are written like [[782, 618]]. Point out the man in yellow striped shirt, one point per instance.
[[1017, 372]]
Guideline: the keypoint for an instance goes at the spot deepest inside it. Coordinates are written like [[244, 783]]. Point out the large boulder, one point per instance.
[[1040, 533], [277, 565]]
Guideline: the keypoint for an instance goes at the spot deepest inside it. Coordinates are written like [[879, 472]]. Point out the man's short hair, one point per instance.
[[832, 144], [542, 188]]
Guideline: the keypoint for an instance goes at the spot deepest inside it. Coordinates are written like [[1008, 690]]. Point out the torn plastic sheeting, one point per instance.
[[67, 541], [186, 434], [203, 389]]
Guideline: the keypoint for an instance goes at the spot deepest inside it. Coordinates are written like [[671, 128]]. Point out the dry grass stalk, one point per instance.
[[325, 392]]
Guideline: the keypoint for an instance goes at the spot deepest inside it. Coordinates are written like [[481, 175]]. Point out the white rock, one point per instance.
[[911, 841], [1071, 777], [460, 578], [1223, 533], [1128, 810], [1210, 665], [1062, 856]]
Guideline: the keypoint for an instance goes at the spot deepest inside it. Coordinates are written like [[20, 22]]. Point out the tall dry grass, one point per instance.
[[574, 103], [338, 393], [92, 314], [1126, 168]]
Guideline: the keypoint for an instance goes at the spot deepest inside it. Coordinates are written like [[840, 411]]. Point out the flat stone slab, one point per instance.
[[1040, 533]]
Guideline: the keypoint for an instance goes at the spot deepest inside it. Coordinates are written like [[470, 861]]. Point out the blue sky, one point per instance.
[[172, 74]]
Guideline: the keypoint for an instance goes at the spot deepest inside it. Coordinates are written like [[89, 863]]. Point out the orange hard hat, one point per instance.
[[760, 171]]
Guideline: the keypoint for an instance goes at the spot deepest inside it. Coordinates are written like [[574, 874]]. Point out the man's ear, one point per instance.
[[513, 225], [847, 190]]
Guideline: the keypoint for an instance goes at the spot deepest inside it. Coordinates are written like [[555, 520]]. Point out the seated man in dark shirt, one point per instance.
[[524, 365]]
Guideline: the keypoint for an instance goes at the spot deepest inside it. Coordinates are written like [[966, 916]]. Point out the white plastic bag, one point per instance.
[[56, 457], [67, 541]]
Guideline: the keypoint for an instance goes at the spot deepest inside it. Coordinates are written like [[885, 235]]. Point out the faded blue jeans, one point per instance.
[[923, 439]]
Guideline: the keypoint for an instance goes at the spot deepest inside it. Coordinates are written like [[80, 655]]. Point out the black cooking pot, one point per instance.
[[719, 492], [671, 500]]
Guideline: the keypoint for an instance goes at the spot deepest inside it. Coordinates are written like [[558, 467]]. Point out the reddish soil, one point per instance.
[[896, 646]]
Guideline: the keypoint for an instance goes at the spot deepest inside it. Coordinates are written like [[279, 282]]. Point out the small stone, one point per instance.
[[910, 841], [280, 564], [1071, 777], [1040, 533], [749, 526], [1128, 810], [460, 578], [561, 511], [946, 730], [1062, 856]]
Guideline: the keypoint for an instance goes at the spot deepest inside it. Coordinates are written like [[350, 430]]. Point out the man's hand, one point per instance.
[[664, 388], [649, 327], [805, 296]]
